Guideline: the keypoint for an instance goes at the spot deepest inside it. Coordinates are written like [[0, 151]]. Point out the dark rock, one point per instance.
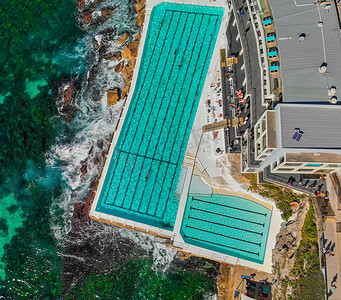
[[93, 183], [91, 150], [97, 160], [84, 169], [131, 49], [119, 67], [127, 73], [80, 217], [123, 38], [100, 144], [107, 12], [92, 74], [118, 55], [67, 93], [113, 96]]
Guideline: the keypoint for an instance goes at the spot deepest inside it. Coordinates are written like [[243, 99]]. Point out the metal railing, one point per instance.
[[276, 179]]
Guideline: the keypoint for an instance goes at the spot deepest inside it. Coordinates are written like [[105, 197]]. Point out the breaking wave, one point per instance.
[[87, 138]]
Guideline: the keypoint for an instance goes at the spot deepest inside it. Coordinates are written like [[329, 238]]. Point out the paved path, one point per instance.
[[332, 262], [250, 45], [331, 237], [233, 80], [250, 61]]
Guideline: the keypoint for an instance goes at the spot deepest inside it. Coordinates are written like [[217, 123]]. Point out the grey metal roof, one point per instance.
[[320, 124], [300, 60]]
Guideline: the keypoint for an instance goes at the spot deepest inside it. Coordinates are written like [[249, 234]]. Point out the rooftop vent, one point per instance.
[[332, 91], [323, 68], [302, 36], [333, 100]]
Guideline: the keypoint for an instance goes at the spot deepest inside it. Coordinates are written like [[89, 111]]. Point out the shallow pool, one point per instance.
[[227, 224]]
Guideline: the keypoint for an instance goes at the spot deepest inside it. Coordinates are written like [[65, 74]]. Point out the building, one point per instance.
[[296, 138], [299, 132]]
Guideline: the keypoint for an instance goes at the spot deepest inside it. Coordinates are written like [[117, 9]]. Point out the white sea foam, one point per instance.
[[95, 122], [155, 246], [236, 186]]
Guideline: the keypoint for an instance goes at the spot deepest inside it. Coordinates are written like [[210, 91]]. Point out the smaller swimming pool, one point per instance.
[[227, 224]]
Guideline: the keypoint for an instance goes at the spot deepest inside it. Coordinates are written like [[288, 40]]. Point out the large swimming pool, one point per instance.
[[176, 56], [227, 224]]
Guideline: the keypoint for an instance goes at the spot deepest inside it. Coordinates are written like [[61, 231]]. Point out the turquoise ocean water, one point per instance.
[[47, 250]]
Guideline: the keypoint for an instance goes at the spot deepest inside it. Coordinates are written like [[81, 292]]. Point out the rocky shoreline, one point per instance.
[[283, 256], [124, 61]]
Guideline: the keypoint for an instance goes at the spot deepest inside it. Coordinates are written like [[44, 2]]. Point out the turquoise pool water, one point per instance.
[[176, 56], [227, 224]]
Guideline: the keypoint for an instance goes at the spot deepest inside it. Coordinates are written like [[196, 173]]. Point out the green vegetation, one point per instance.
[[282, 196], [32, 33], [137, 280], [12, 209], [310, 282], [3, 227], [33, 267], [34, 36]]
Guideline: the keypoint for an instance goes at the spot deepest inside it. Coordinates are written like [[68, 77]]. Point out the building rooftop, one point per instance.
[[308, 35], [309, 126], [313, 157]]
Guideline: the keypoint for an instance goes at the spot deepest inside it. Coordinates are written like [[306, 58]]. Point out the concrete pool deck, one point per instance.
[[193, 158]]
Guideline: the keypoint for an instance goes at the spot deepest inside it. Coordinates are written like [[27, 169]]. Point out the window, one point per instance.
[[323, 171], [257, 131], [284, 169], [264, 142], [292, 164], [281, 160], [275, 83], [263, 124]]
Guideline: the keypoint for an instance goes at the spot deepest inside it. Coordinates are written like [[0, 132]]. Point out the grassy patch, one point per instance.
[[282, 196]]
